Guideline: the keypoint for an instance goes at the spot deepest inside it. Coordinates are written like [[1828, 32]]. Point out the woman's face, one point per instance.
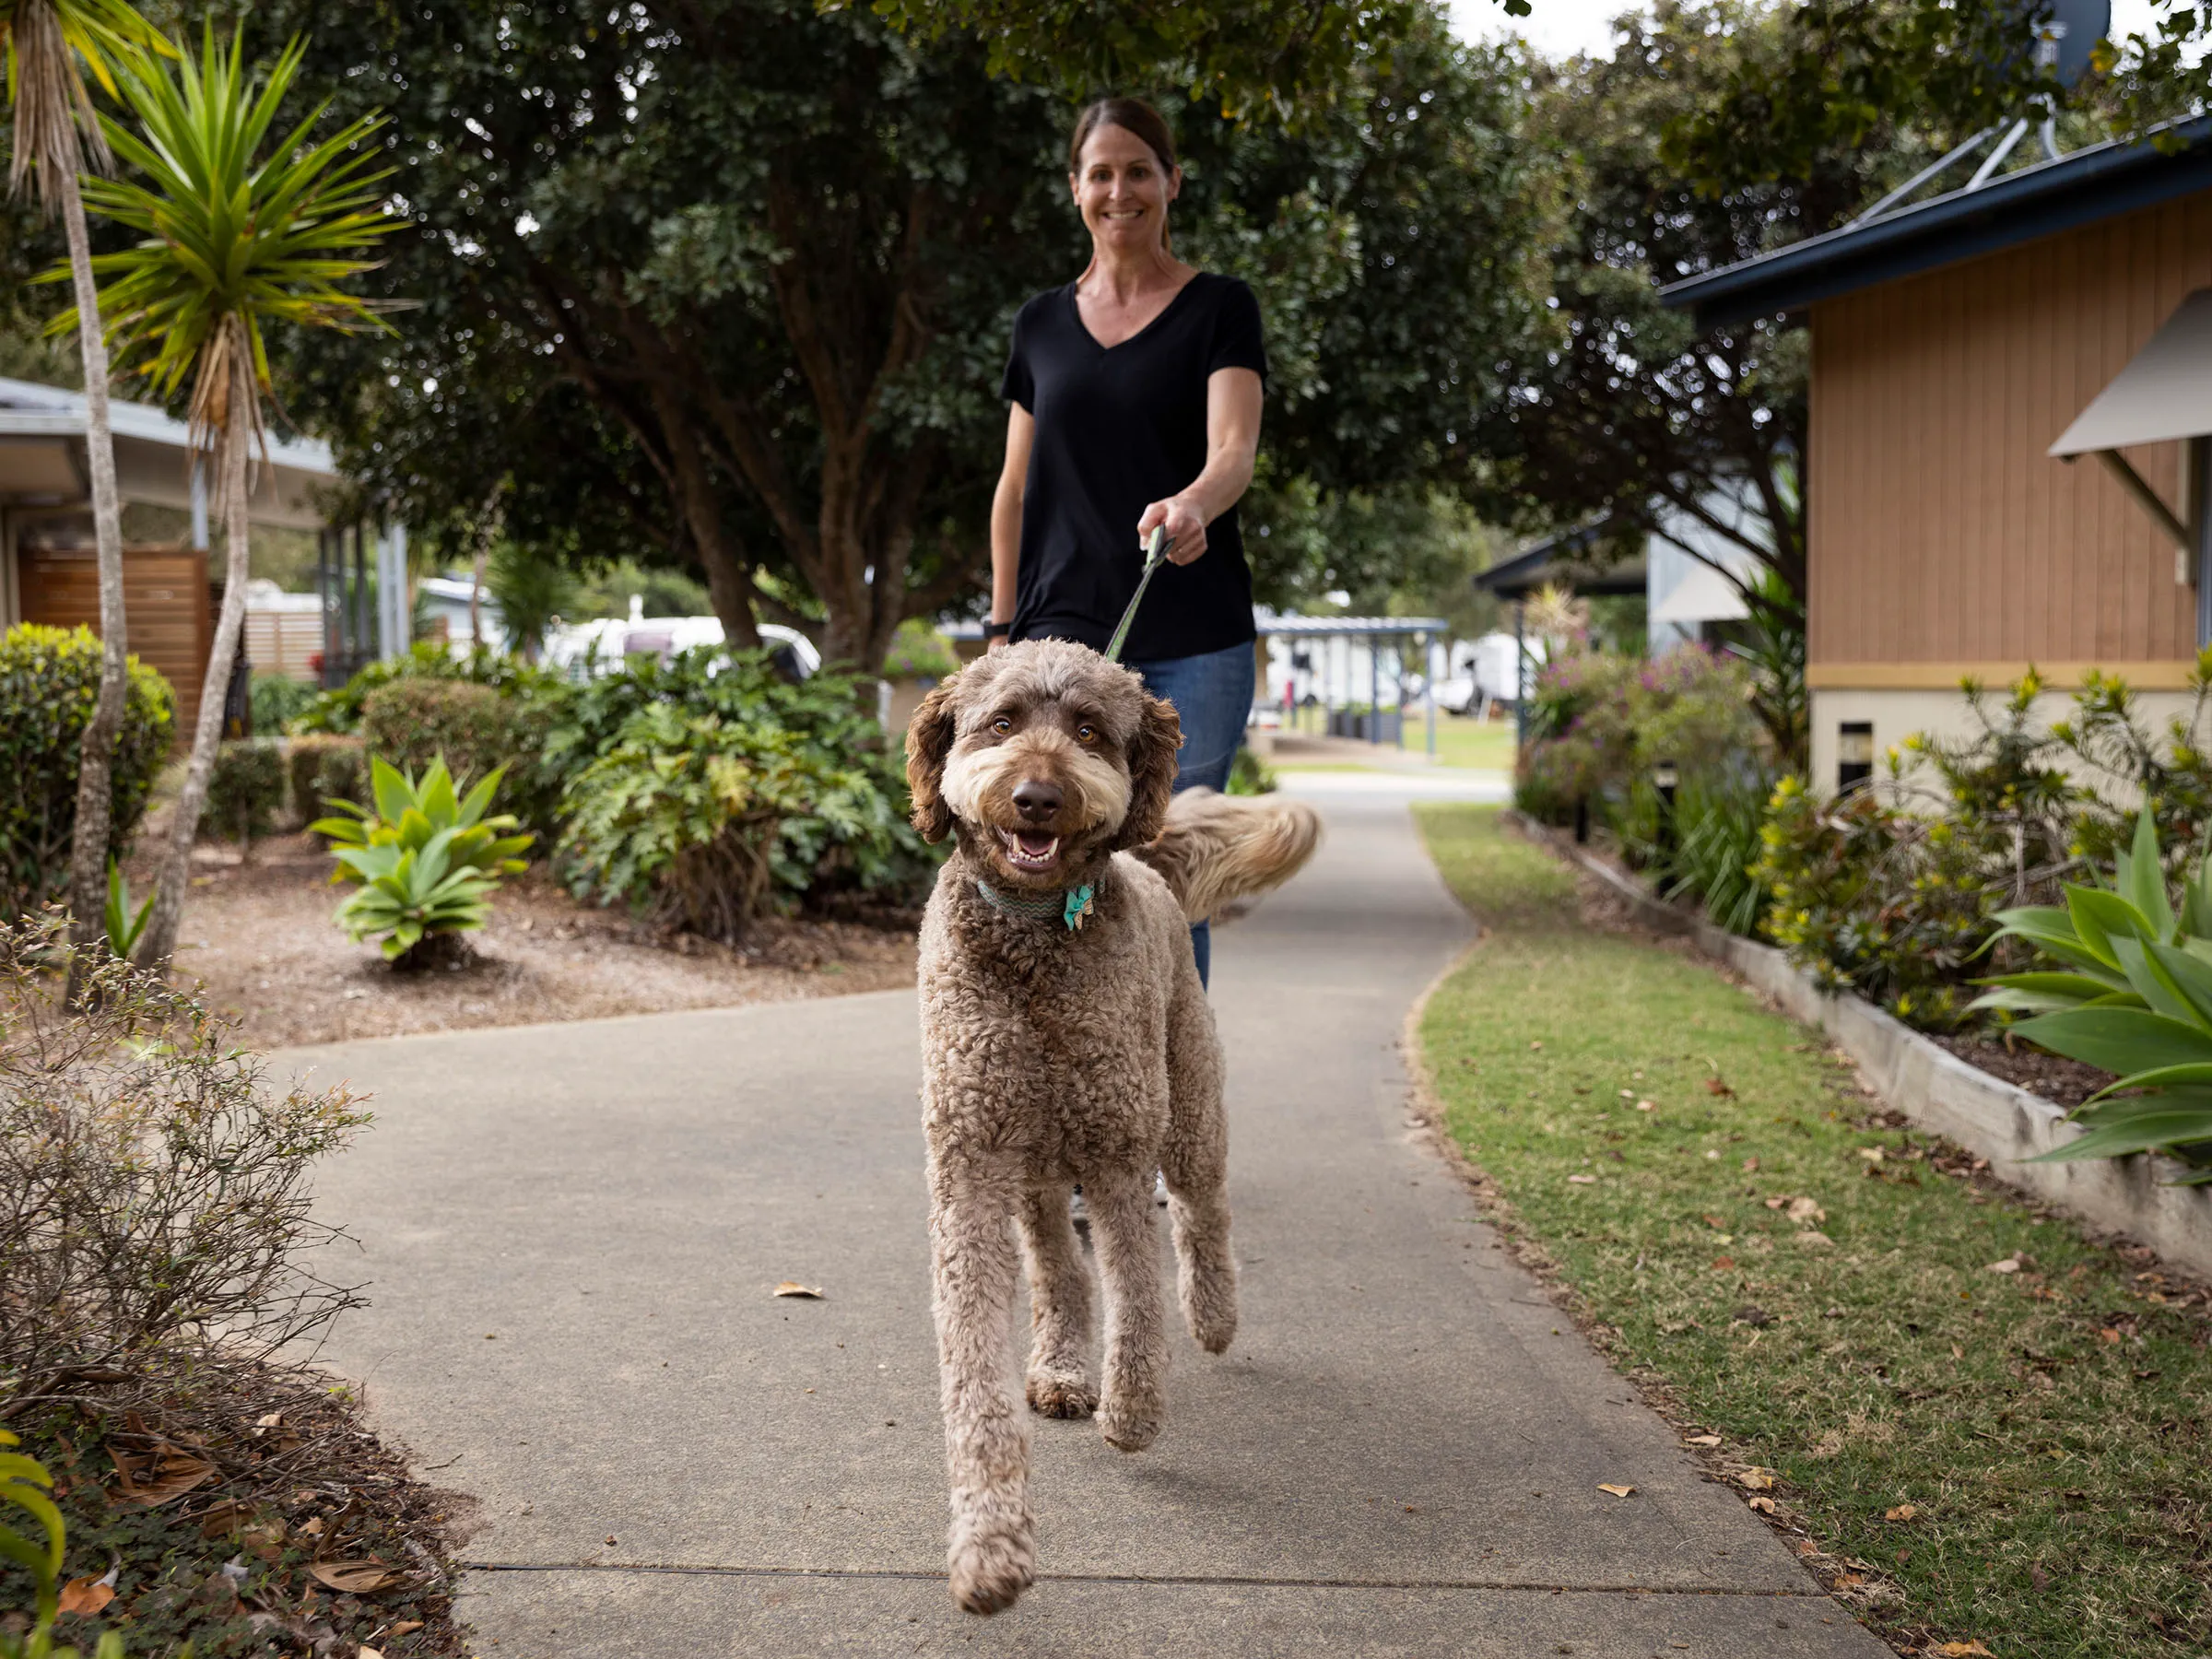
[[1121, 191]]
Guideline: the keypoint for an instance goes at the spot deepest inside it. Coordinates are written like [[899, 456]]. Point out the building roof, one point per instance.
[[2099, 182], [31, 410], [1384, 627], [1563, 560]]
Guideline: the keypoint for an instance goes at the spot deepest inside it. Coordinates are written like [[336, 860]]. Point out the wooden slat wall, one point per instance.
[[1938, 529], [165, 603]]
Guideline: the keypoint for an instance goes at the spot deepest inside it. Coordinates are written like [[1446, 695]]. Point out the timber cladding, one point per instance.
[[1938, 531], [166, 607]]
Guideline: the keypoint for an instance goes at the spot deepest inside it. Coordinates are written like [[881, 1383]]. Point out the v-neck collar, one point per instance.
[[1075, 310]]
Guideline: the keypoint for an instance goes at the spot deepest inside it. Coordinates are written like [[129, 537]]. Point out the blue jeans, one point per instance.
[[1212, 695]]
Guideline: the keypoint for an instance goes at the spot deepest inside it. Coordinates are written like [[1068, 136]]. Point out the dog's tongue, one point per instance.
[[1034, 845]]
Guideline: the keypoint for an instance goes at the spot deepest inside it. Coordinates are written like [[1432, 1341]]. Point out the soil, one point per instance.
[[2062, 1082], [258, 939]]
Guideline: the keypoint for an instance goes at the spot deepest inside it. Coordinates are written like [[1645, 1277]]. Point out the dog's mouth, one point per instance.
[[1033, 852]]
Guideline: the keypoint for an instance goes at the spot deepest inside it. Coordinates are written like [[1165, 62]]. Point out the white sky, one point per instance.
[[1561, 27]]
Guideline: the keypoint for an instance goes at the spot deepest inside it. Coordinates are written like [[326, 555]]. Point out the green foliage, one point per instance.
[[123, 925], [532, 589], [919, 652], [246, 790], [704, 796], [413, 720], [49, 682], [25, 1483], [2131, 991], [326, 766], [277, 699], [428, 859], [340, 709], [1250, 775], [1704, 847]]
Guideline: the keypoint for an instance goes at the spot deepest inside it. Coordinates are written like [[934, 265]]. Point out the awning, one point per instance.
[[1702, 596], [2164, 393]]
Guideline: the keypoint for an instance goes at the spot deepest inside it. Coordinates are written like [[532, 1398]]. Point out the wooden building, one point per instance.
[[48, 571], [1968, 512]]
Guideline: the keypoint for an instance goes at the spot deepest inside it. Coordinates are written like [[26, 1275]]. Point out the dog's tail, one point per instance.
[[1218, 848]]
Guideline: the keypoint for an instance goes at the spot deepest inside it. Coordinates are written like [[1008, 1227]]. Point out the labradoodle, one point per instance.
[[1066, 1039]]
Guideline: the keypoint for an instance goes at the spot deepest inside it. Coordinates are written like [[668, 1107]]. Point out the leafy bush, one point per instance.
[[1708, 852], [1250, 775], [154, 1209], [325, 767], [703, 820], [428, 860], [2132, 994], [340, 709], [49, 682], [473, 728], [277, 699], [245, 791], [919, 652]]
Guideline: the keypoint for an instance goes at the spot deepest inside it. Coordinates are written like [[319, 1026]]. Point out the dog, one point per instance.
[[1066, 1040]]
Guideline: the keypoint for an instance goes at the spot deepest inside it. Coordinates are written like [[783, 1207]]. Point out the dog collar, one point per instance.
[[1072, 907]]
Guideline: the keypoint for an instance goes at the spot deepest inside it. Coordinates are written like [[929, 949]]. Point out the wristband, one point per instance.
[[993, 630]]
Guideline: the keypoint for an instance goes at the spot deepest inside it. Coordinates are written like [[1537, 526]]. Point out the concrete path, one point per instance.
[[574, 1232]]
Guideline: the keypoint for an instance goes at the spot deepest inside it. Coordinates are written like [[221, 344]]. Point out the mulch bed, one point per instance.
[[2062, 1082], [243, 1508]]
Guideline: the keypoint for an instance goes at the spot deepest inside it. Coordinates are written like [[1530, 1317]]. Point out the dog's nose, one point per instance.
[[1035, 800]]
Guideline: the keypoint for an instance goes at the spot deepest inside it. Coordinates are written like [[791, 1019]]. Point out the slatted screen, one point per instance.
[[166, 603]]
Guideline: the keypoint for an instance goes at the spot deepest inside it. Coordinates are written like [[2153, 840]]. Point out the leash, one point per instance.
[[1155, 555]]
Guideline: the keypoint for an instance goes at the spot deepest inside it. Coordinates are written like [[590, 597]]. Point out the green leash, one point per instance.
[[1155, 555]]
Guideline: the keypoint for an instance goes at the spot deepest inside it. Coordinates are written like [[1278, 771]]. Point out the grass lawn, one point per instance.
[[2011, 1457], [1486, 744]]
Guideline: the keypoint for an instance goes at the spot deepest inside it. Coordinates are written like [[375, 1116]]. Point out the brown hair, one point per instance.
[[1133, 114]]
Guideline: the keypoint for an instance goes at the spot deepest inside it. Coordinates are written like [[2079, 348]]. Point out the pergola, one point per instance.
[[1342, 643]]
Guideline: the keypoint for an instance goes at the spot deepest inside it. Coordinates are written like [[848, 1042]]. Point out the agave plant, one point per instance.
[[426, 856], [2133, 994]]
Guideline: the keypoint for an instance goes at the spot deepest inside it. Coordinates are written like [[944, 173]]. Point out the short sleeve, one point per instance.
[[1237, 343], [1018, 384]]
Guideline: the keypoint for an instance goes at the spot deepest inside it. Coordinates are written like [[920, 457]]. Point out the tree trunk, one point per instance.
[[161, 941], [95, 760]]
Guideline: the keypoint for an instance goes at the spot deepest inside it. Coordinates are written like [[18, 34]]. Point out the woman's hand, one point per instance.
[[1185, 522]]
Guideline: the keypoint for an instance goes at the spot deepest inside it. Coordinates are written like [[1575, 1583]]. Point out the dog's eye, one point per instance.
[[1087, 733], [1003, 724]]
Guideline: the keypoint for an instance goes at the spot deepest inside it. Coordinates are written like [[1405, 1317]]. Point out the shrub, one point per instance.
[[703, 821], [277, 699], [1706, 847], [325, 767], [411, 722], [49, 682], [245, 791], [154, 1206], [428, 860], [340, 709], [1250, 775], [919, 652]]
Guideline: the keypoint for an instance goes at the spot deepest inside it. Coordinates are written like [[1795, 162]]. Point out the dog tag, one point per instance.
[[1077, 908]]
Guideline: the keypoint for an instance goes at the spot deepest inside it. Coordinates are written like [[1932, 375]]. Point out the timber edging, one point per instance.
[[1937, 1091]]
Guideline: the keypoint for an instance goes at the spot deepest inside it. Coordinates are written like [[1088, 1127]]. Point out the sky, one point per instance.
[[1561, 27]]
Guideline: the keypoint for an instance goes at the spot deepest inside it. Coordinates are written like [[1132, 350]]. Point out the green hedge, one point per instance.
[[245, 791], [49, 682], [326, 767], [414, 721]]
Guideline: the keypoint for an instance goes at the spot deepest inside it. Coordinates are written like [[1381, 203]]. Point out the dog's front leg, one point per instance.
[[1059, 1378], [993, 1553], [1133, 1401]]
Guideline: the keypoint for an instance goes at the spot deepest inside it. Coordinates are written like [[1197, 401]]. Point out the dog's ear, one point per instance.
[[1151, 773], [928, 743]]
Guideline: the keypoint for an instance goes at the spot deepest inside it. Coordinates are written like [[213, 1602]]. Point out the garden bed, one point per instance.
[[1977, 1422], [258, 939]]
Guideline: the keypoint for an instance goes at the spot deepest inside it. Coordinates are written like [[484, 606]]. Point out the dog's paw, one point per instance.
[[1130, 1424], [990, 1570], [1056, 1397], [1214, 1328]]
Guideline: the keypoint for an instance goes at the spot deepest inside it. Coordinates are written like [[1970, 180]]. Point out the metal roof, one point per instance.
[[31, 410], [1268, 623], [1554, 560], [2099, 182]]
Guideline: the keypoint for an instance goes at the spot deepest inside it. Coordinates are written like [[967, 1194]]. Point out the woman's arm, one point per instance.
[[1233, 440], [1005, 515]]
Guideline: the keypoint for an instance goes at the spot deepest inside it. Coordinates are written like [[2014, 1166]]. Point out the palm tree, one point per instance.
[[57, 135], [232, 245]]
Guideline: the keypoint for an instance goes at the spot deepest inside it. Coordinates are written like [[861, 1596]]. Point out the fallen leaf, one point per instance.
[[161, 1477], [1627, 1094], [1765, 1506], [224, 1518], [312, 1527], [1750, 1166], [1583, 1180], [1813, 1236], [1775, 1203], [1805, 1209], [1713, 1086], [2108, 1334], [1961, 1649], [1754, 1479], [1724, 1237], [1849, 1581], [1618, 1492], [88, 1594], [270, 1421], [1536, 1045], [1724, 1264], [405, 1627], [2009, 1265], [365, 1652], [1703, 1439], [1871, 1154], [1716, 1222], [1644, 1105], [792, 1287], [1903, 1511], [353, 1577]]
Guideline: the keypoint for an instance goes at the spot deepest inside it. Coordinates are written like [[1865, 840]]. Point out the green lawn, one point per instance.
[[1486, 745], [2038, 1434]]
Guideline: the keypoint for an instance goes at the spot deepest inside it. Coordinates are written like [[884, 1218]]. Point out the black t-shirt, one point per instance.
[[1117, 430]]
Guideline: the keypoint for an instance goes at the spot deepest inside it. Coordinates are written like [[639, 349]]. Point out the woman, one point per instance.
[[1136, 396]]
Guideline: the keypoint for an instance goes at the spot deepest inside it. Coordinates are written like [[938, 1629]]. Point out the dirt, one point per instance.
[[258, 939], [2062, 1082]]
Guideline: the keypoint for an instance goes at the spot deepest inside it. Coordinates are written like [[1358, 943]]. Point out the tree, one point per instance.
[[57, 134], [756, 321], [232, 246]]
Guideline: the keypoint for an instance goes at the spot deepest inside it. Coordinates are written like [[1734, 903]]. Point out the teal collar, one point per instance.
[[1072, 907]]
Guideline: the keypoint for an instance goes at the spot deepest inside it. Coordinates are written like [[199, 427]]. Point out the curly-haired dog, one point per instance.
[[1066, 1039]]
